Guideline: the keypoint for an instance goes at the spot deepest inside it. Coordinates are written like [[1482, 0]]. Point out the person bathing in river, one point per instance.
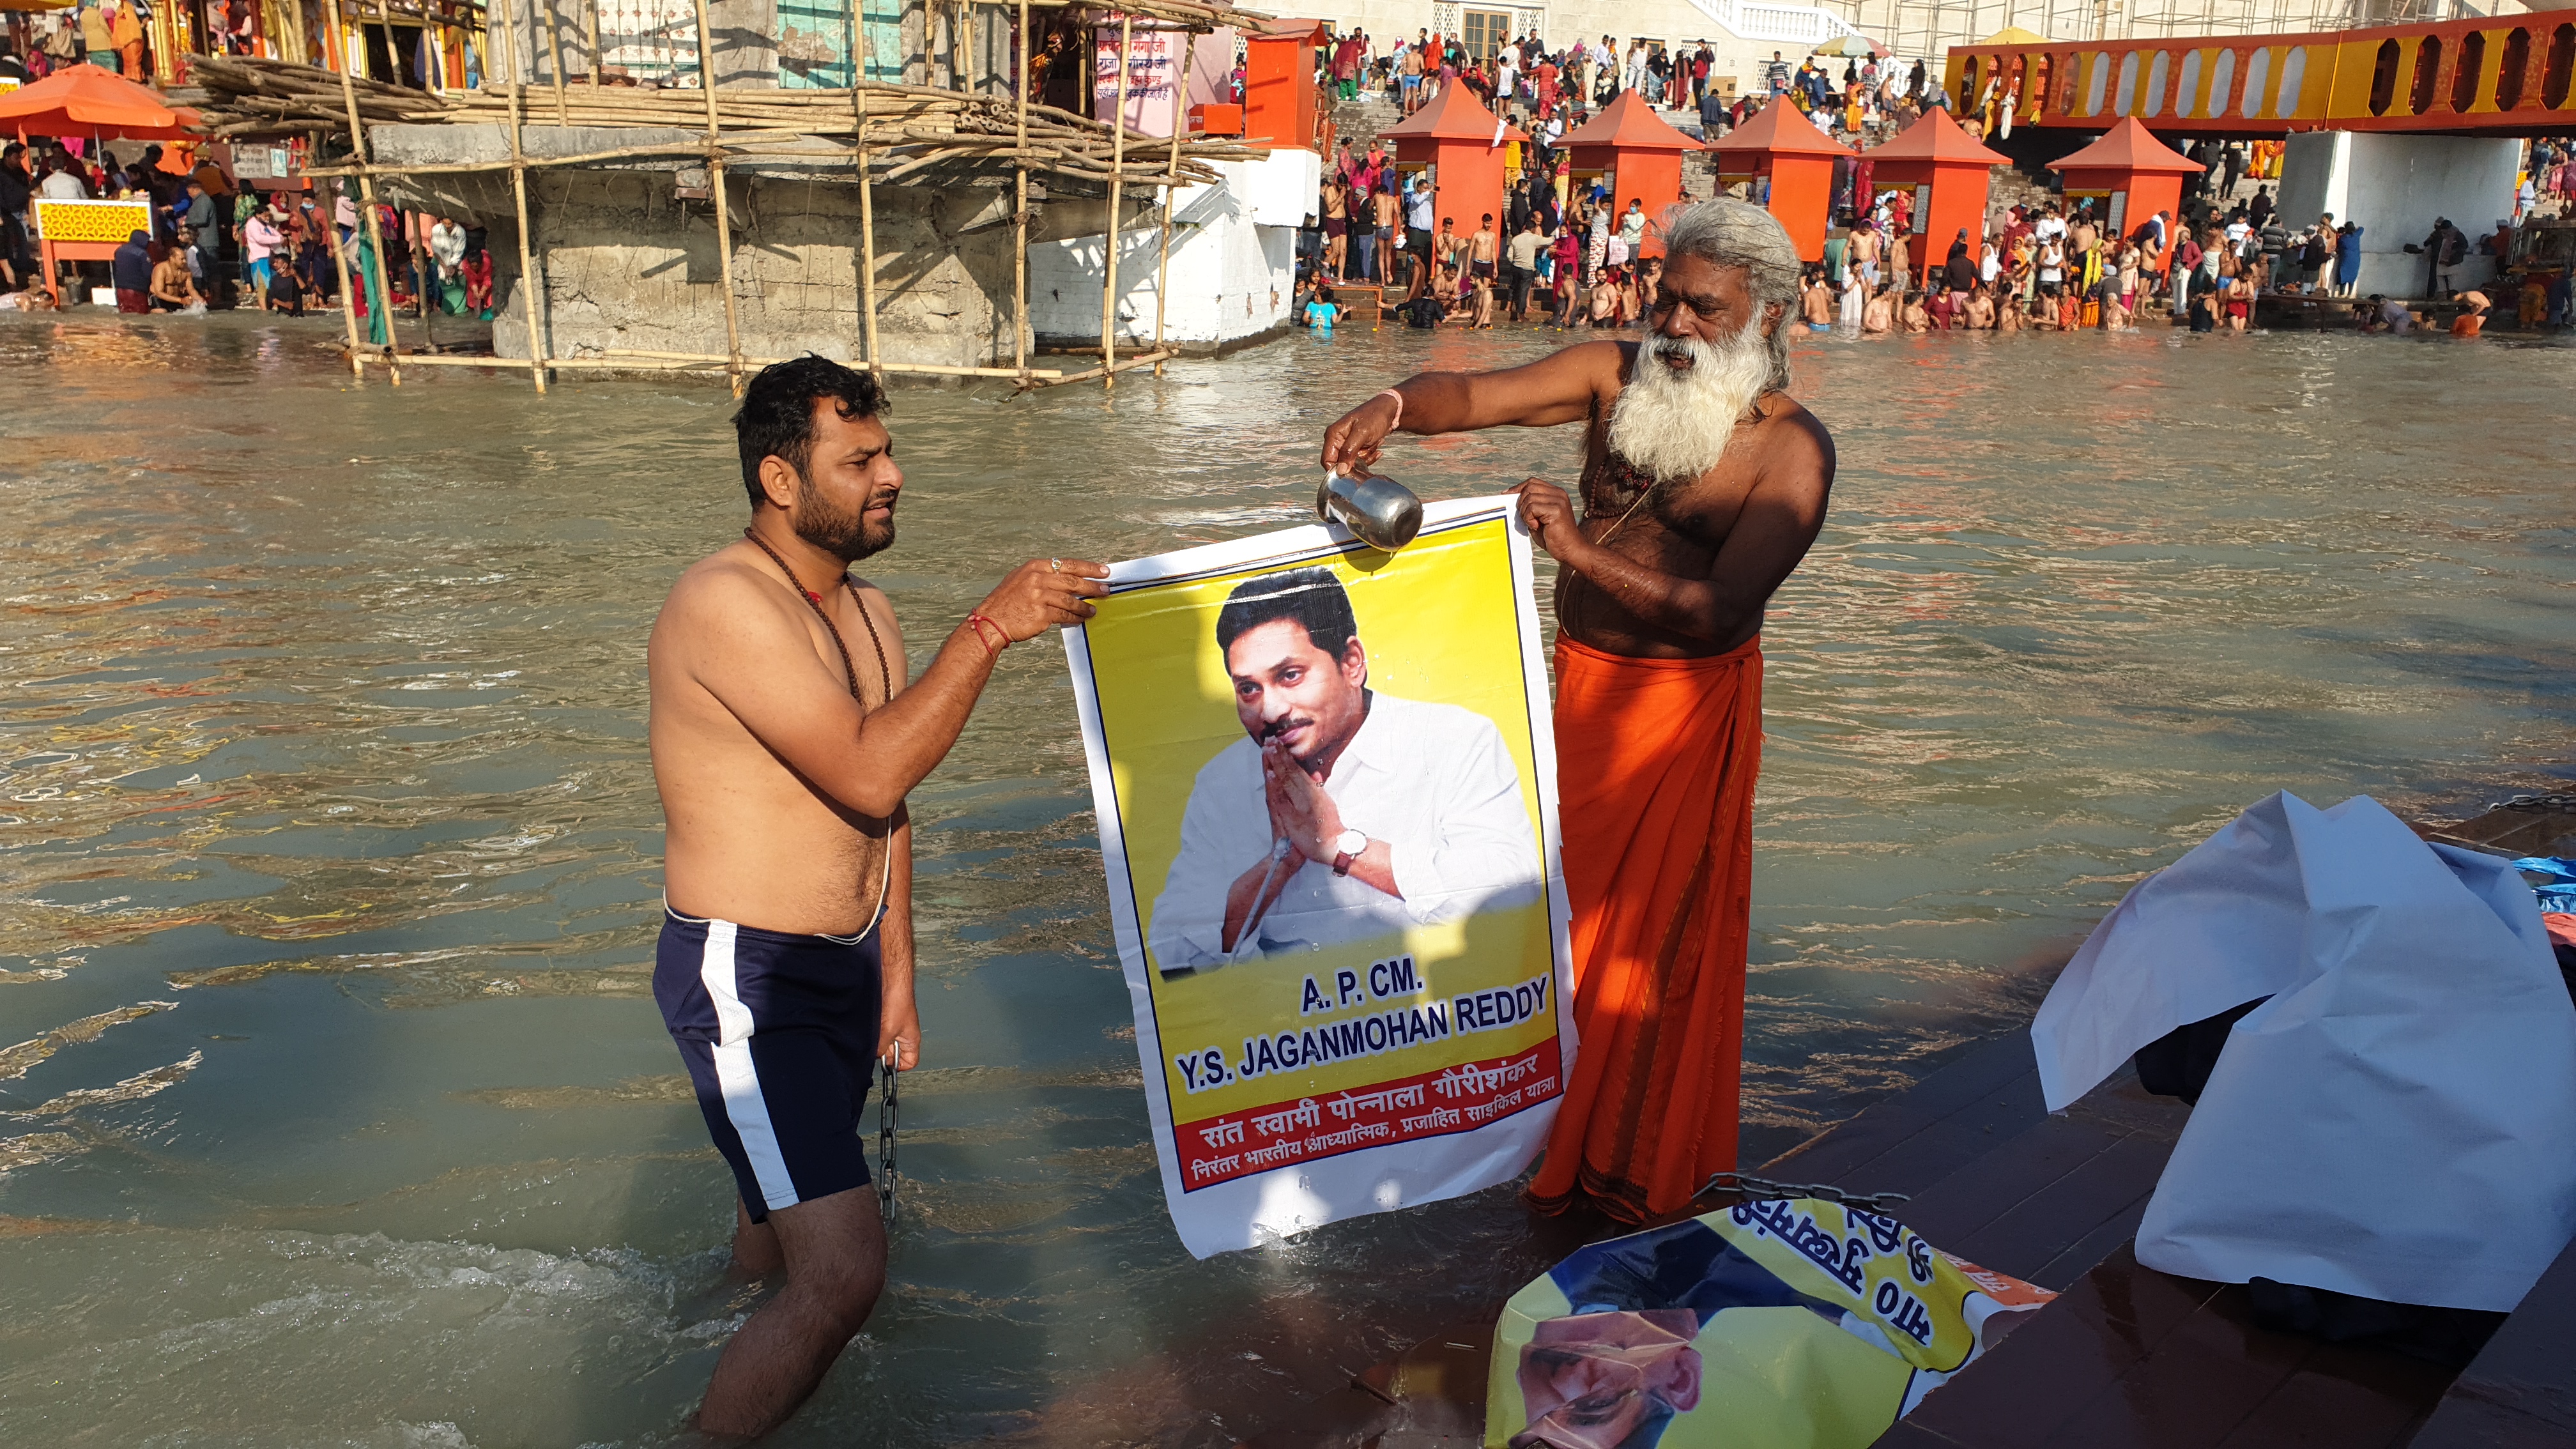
[[783, 746], [1880, 313], [1816, 301], [1703, 485]]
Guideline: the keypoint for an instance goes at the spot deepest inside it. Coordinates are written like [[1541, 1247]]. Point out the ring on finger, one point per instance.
[[1055, 565]]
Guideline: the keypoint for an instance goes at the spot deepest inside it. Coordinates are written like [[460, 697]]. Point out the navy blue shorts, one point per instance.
[[780, 1036]]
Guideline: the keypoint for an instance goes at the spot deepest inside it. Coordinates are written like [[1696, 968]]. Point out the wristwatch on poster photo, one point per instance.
[[1349, 844]]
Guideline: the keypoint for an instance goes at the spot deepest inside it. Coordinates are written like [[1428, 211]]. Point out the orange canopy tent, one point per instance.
[[89, 100]]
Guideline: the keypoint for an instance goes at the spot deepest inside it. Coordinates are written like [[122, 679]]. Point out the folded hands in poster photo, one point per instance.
[[1343, 813]]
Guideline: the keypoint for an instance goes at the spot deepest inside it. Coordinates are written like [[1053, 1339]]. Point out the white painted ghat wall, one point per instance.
[[1234, 262], [1775, 24]]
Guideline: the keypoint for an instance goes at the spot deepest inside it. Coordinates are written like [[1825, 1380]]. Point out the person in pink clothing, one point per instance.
[[260, 238]]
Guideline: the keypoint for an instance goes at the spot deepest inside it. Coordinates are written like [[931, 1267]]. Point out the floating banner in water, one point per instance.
[[1791, 1324], [1327, 799]]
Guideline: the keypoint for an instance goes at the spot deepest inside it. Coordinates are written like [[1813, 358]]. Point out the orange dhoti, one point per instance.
[[1656, 760]]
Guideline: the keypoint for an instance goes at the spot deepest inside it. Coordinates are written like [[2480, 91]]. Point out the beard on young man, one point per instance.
[[1674, 422], [844, 533]]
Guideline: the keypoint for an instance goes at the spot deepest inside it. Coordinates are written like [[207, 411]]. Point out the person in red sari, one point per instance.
[[1703, 485]]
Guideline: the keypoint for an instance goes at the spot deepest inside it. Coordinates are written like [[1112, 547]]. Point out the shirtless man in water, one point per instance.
[[1703, 485], [784, 741]]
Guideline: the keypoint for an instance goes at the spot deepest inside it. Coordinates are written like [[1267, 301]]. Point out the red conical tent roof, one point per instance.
[[2128, 146], [1630, 124], [1937, 138], [1453, 115], [87, 100], [1781, 130]]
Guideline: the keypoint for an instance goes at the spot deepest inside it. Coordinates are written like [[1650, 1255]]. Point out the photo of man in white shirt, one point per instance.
[[1344, 813]]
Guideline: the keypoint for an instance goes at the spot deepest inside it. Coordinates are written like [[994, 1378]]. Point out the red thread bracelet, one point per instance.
[[976, 621]]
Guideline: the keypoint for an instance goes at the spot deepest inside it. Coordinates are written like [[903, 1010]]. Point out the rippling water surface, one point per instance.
[[339, 1111]]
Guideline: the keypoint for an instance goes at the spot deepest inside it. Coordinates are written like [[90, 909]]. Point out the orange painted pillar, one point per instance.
[[1802, 197], [1955, 199], [1642, 153], [1653, 177], [1279, 106], [1785, 147], [2135, 174], [1455, 135], [1948, 168], [1468, 184]]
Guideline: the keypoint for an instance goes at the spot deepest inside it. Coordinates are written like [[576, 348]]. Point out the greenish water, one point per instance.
[[329, 852]]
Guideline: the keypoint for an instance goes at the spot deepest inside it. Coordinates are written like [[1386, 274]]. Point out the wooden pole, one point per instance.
[[1109, 238], [348, 299], [1021, 335], [696, 365], [1172, 183], [554, 53], [867, 209], [529, 282], [590, 37], [716, 183], [383, 300], [867, 241], [339, 253]]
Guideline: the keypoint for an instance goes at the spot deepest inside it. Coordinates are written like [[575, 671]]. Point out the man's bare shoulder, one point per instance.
[[721, 582], [1599, 360], [721, 599], [1790, 436]]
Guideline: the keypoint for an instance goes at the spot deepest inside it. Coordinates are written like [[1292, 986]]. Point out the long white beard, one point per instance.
[[1676, 424]]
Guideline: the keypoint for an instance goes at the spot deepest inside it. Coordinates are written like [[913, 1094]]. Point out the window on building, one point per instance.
[[1486, 31]]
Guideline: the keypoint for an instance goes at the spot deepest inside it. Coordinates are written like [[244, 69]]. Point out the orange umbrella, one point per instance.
[[88, 100]]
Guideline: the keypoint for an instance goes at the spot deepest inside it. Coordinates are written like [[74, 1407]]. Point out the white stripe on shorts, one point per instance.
[[735, 1075]]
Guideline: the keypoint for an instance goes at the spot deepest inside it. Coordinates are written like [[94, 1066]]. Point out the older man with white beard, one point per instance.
[[1703, 485]]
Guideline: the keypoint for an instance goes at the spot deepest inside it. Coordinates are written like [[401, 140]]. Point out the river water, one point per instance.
[[328, 846]]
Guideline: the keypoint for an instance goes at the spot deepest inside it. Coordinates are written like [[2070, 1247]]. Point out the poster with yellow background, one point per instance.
[[1326, 793]]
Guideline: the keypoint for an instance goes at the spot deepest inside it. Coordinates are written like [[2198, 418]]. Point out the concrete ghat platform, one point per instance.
[[629, 264], [2126, 1356]]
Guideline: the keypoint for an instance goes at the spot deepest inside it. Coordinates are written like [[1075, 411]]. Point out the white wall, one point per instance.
[[2395, 187], [1233, 268]]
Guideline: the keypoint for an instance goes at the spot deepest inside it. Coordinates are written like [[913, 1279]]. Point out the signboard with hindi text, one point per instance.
[[1325, 784], [1156, 60]]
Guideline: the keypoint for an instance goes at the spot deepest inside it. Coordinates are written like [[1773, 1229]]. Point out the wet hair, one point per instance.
[[776, 419], [1311, 596]]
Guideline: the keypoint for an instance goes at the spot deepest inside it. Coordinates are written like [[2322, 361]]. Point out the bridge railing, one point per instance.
[[2501, 75]]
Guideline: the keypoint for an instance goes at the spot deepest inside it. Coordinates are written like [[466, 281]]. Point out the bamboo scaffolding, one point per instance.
[[383, 299], [893, 131], [348, 298], [710, 365], [554, 50], [1172, 187], [716, 184], [1021, 333], [530, 280], [1110, 372], [867, 208], [1109, 252], [909, 126], [867, 243]]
